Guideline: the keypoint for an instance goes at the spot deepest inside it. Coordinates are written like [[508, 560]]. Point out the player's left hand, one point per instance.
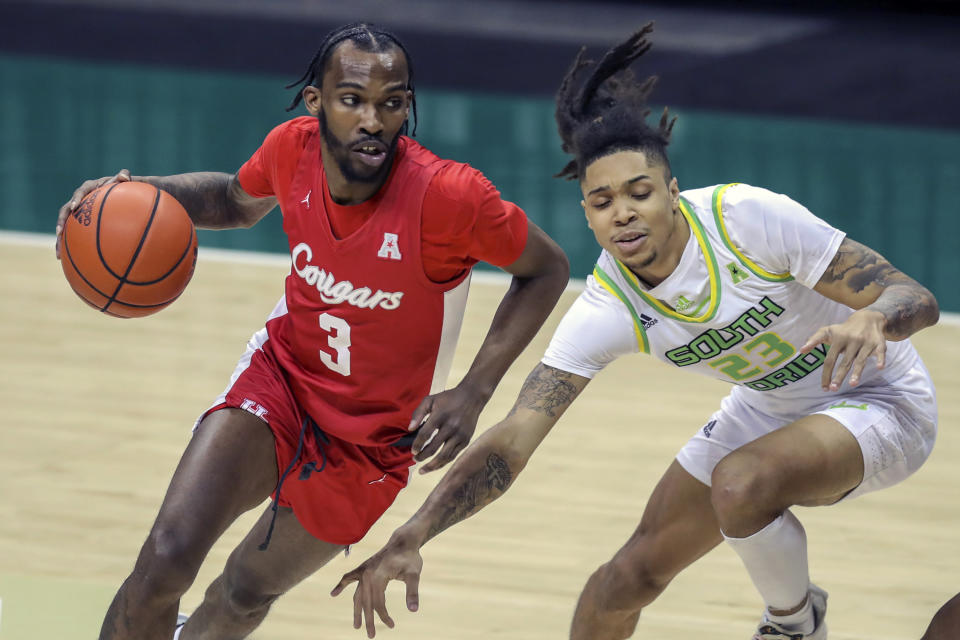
[[447, 419], [851, 343]]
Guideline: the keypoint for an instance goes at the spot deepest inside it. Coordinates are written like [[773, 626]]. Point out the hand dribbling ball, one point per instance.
[[129, 249]]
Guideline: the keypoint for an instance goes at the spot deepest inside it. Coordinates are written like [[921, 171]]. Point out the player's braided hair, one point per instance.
[[608, 111], [367, 37]]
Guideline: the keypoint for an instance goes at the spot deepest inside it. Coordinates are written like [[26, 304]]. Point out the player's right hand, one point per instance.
[[394, 562], [70, 206], [852, 342]]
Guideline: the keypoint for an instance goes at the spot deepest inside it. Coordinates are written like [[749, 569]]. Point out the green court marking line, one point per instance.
[[43, 607]]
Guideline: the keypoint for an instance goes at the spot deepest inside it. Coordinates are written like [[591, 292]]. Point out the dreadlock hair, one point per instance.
[[366, 37], [608, 111]]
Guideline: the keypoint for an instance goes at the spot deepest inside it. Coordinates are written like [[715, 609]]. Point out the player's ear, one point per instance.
[[311, 99]]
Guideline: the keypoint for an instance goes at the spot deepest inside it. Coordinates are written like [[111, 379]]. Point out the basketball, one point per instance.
[[129, 249]]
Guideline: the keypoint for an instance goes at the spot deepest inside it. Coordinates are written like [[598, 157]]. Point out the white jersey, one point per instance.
[[738, 306]]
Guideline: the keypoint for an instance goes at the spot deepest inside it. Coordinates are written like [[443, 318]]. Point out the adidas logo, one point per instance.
[[708, 428], [647, 321]]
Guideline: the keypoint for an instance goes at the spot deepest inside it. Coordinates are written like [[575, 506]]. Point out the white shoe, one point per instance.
[[769, 630], [181, 620]]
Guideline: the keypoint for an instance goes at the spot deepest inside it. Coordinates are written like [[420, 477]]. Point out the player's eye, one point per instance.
[[350, 100], [601, 204], [641, 196], [394, 103]]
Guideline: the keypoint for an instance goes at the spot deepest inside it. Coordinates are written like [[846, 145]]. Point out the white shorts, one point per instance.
[[895, 424]]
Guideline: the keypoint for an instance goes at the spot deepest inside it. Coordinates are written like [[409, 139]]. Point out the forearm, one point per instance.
[[490, 465], [906, 308], [521, 313], [480, 475], [206, 195], [862, 279]]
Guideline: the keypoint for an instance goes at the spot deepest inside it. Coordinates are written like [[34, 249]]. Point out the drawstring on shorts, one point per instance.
[[311, 467], [305, 472]]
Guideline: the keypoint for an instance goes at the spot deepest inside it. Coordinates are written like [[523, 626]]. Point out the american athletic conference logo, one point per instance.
[[333, 292], [390, 249]]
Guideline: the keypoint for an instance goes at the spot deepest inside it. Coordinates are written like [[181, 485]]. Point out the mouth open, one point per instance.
[[630, 241], [370, 152]]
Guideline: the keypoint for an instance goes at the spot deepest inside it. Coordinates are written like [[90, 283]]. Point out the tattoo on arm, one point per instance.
[[547, 390], [858, 266], [907, 305], [207, 197], [478, 490], [907, 310]]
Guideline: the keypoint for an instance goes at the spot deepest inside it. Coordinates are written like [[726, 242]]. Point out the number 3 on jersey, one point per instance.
[[339, 341]]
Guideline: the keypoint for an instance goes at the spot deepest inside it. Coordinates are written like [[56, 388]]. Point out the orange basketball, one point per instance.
[[129, 249]]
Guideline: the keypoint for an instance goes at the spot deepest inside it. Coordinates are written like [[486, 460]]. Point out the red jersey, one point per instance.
[[373, 303]]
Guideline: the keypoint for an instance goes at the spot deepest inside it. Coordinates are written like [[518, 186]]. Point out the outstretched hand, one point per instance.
[[851, 343], [447, 419], [81, 192], [372, 577]]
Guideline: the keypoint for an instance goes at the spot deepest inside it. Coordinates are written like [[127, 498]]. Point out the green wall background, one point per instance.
[[62, 122]]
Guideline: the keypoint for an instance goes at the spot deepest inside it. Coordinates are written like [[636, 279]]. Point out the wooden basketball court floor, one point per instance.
[[97, 410]]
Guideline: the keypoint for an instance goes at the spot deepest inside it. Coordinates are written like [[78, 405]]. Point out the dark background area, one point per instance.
[[881, 62]]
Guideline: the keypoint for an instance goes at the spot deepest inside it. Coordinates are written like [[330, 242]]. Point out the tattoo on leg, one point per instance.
[[478, 490]]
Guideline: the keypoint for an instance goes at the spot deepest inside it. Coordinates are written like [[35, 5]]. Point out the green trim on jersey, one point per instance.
[[713, 271], [752, 266], [607, 283]]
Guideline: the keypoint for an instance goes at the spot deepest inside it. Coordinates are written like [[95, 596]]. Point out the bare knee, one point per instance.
[[745, 493], [167, 565], [629, 583], [245, 594]]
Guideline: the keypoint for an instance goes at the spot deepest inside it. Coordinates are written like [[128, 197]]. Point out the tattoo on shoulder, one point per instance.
[[478, 490], [859, 266], [547, 390]]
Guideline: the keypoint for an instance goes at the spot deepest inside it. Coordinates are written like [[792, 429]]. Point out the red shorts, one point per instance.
[[337, 489]]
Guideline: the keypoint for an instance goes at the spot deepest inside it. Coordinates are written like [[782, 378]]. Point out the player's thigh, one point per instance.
[[228, 467], [864, 440], [811, 461], [895, 425], [256, 571], [678, 527]]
